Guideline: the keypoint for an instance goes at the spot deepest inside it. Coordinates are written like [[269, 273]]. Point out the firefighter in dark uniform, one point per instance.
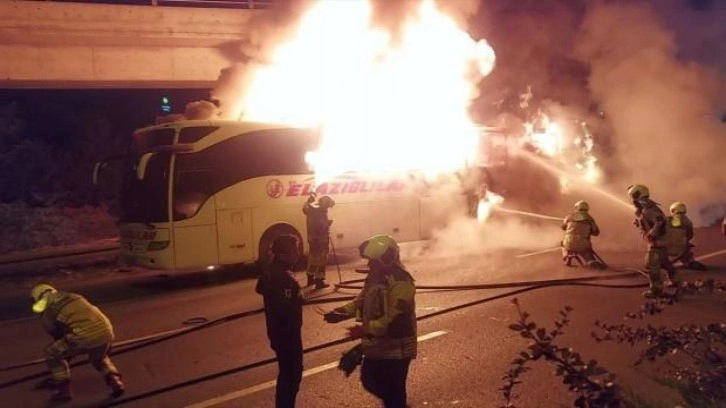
[[651, 221], [318, 225], [283, 313], [387, 311], [77, 328]]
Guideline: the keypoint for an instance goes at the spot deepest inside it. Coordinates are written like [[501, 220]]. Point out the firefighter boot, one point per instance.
[[114, 382], [311, 281], [62, 392], [321, 284], [696, 266]]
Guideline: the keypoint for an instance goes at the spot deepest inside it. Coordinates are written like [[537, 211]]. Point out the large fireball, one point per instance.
[[384, 105]]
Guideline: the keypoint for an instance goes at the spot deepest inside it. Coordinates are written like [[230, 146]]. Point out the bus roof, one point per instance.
[[239, 126]]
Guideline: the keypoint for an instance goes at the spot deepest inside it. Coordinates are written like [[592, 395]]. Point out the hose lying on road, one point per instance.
[[145, 341]]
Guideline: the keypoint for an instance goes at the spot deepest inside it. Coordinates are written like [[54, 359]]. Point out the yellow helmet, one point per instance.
[[326, 202], [582, 206], [637, 191], [39, 296], [678, 208], [382, 248]]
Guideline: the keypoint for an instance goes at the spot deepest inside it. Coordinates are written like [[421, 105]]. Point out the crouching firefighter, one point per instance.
[[387, 311], [679, 233], [77, 328], [651, 222], [318, 225], [579, 226]]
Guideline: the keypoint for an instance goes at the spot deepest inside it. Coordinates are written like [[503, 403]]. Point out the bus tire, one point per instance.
[[269, 236]]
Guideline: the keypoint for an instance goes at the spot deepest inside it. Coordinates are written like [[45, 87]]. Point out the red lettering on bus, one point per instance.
[[363, 187], [306, 189], [344, 189], [354, 187], [322, 189], [294, 189], [335, 189]]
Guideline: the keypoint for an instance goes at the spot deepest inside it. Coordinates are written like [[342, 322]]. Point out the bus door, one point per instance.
[[193, 209]]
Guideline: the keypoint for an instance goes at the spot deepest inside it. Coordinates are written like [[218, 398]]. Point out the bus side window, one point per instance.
[[191, 190]]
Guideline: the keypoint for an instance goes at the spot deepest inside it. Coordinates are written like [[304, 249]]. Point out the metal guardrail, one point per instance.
[[237, 4]]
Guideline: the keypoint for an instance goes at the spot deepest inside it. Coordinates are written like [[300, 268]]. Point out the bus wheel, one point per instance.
[[269, 236]]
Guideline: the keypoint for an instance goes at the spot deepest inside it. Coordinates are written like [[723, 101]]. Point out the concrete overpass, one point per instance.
[[45, 44]]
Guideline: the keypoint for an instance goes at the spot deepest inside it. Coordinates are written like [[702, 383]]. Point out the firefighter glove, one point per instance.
[[335, 317], [350, 360]]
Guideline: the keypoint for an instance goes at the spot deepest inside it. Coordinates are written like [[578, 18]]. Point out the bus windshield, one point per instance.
[[146, 200]]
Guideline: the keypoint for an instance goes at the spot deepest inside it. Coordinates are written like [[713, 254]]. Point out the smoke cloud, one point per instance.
[[270, 29], [663, 110]]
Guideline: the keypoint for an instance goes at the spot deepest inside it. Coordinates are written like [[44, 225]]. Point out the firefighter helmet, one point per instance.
[[382, 248], [678, 208], [326, 202], [39, 296], [285, 245], [582, 206], [638, 191]]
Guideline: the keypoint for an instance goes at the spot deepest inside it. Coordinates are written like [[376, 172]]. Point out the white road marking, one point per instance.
[[269, 384], [711, 255], [544, 251]]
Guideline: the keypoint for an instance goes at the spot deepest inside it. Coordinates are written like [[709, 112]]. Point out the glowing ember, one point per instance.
[[487, 204], [385, 106], [571, 152]]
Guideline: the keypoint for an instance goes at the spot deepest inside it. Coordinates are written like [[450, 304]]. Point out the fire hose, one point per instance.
[[145, 341]]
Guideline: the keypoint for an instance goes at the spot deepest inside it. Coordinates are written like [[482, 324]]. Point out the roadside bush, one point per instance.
[[696, 355], [23, 227]]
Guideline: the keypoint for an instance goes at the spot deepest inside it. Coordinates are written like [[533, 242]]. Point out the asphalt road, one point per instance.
[[462, 355]]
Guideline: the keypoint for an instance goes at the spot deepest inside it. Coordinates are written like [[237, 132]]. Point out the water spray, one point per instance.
[[528, 214], [560, 172]]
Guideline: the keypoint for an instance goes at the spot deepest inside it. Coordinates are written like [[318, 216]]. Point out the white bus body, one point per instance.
[[234, 186]]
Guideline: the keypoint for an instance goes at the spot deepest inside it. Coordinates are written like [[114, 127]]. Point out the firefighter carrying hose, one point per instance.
[[77, 328], [651, 222], [387, 311], [318, 225], [679, 233], [579, 226]]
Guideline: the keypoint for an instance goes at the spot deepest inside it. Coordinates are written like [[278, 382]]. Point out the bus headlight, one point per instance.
[[157, 245]]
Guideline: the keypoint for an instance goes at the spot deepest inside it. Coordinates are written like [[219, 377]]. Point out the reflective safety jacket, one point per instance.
[[317, 222], [71, 316], [652, 222], [387, 309], [678, 233], [579, 226]]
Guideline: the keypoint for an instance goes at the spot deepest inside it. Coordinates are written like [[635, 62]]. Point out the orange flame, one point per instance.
[[384, 106], [574, 153]]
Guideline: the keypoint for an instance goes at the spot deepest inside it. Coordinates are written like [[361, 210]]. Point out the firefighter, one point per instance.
[[652, 223], [283, 301], [578, 227], [679, 233], [387, 311], [318, 225], [77, 328]]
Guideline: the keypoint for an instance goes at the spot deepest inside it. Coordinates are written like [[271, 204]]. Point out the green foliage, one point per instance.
[[700, 380], [23, 227], [55, 170], [593, 384]]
